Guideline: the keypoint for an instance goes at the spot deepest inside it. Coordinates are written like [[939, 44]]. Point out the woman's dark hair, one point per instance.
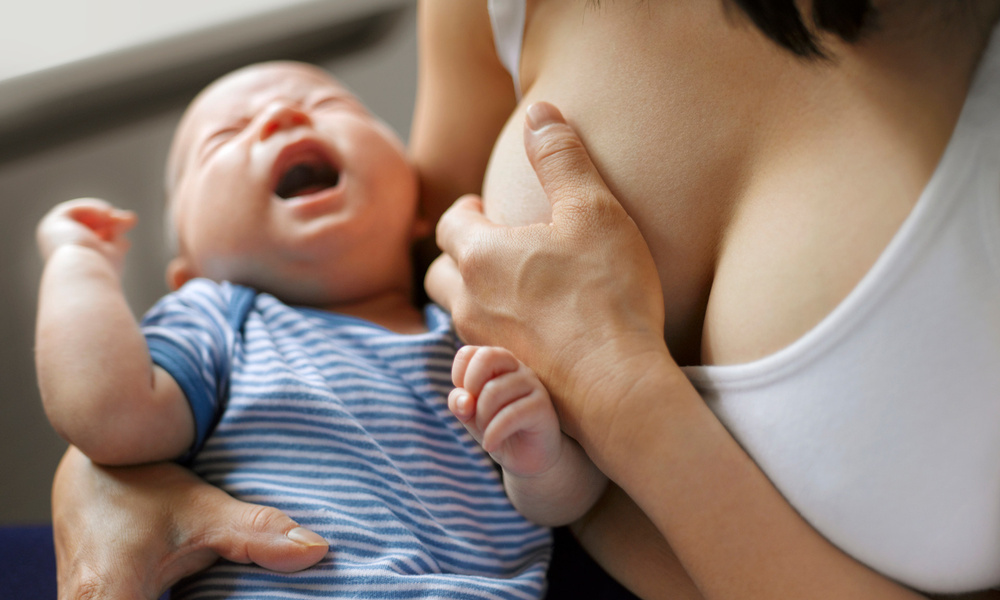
[[781, 21]]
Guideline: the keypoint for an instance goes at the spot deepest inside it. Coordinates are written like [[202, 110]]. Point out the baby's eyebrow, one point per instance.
[[234, 127], [341, 96]]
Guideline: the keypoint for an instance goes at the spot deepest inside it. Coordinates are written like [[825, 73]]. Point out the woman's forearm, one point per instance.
[[733, 531], [95, 374], [620, 538], [562, 299]]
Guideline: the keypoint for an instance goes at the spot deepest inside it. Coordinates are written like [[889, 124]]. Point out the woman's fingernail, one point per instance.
[[301, 535], [541, 114]]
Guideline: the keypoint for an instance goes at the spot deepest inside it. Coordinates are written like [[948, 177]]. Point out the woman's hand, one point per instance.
[[132, 532], [569, 297]]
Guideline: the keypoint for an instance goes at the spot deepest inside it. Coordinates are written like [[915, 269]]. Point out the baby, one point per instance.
[[290, 367]]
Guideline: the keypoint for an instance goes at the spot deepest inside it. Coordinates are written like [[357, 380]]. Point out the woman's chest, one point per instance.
[[752, 249], [741, 276]]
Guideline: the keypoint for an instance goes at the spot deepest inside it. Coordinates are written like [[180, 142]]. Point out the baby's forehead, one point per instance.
[[252, 87], [239, 94]]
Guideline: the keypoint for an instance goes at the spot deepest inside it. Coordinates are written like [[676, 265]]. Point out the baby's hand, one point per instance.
[[87, 222], [506, 408]]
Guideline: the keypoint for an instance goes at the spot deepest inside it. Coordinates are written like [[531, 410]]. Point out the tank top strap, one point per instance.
[[507, 19], [980, 113]]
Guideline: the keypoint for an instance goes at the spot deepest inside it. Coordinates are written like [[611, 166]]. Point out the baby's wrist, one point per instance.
[[613, 371], [77, 248], [543, 465], [82, 255]]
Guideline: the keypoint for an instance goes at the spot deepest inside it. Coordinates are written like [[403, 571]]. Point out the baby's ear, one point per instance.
[[179, 272]]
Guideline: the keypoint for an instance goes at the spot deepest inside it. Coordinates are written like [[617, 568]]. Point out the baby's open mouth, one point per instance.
[[306, 177], [304, 168]]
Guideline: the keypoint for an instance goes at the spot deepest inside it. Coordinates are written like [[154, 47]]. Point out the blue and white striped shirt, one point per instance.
[[345, 426]]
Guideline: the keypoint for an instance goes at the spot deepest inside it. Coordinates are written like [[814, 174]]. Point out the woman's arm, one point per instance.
[[579, 302], [464, 97], [621, 538], [98, 384]]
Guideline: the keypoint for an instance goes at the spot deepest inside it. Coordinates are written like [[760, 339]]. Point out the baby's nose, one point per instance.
[[282, 115]]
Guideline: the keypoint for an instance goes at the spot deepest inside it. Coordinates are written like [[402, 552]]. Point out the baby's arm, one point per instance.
[[547, 475], [99, 387]]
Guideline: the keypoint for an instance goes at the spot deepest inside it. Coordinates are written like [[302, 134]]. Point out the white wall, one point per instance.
[[122, 163], [42, 35]]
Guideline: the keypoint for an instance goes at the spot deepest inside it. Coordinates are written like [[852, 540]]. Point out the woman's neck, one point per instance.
[[843, 151], [889, 101], [914, 69]]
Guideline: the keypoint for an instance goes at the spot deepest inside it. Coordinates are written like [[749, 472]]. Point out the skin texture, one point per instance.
[[802, 173], [501, 402], [344, 247], [99, 387], [692, 154], [173, 525]]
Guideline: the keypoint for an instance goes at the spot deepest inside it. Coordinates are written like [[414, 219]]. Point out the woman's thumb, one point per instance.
[[563, 166], [250, 533]]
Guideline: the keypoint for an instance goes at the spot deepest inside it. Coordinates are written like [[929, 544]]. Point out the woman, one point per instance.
[[772, 187]]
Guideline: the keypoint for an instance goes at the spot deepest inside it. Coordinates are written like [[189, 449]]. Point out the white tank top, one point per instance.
[[881, 425]]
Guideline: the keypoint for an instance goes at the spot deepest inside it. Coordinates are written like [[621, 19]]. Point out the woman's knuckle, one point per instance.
[[264, 518], [559, 147], [607, 208], [465, 257], [441, 229], [89, 586], [474, 265], [465, 324]]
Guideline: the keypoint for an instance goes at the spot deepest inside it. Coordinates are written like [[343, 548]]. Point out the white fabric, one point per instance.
[[881, 426], [507, 19]]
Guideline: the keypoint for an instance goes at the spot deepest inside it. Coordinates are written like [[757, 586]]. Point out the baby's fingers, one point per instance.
[[123, 221], [497, 404], [462, 404], [106, 221], [475, 366], [460, 364], [87, 222], [523, 414]]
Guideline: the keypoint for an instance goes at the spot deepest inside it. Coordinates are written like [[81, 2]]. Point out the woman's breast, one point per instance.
[[512, 194], [671, 175]]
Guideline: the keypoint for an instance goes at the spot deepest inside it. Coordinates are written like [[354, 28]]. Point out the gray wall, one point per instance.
[[122, 161]]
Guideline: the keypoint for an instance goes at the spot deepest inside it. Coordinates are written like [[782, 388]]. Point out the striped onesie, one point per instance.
[[345, 426]]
